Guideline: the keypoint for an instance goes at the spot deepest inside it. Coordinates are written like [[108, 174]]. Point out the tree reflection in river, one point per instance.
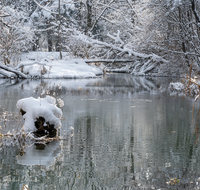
[[128, 134]]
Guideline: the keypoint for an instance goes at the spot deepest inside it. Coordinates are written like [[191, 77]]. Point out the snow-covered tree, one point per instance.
[[175, 28], [49, 18], [16, 35]]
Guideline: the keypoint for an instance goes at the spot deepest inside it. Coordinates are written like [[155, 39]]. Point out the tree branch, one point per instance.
[[195, 11], [44, 8], [101, 15]]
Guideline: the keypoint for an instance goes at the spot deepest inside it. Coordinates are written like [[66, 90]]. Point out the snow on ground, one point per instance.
[[76, 68], [41, 107], [50, 66]]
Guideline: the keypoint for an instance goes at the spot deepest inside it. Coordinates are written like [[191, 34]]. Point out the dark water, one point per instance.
[[129, 133]]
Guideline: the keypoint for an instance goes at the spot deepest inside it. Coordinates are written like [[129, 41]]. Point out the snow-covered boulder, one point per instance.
[[40, 113]]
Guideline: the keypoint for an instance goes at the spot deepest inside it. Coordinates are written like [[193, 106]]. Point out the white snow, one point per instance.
[[176, 87], [41, 107], [48, 65], [76, 68]]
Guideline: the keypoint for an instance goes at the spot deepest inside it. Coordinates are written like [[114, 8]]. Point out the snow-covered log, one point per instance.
[[18, 73], [41, 115], [7, 74]]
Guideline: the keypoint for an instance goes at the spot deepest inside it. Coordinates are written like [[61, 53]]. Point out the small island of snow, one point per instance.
[[41, 115]]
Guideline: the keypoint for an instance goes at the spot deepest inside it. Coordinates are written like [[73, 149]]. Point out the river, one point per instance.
[[128, 133]]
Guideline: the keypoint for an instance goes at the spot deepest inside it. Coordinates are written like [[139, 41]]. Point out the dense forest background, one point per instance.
[[150, 32]]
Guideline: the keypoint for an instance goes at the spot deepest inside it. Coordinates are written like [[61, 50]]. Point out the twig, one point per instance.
[[24, 186]]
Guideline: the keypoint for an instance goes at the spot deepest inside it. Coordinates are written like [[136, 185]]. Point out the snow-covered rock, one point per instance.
[[41, 107]]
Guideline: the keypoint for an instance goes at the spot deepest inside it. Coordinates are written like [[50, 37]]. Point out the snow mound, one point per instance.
[[76, 68], [41, 107], [48, 65], [176, 87]]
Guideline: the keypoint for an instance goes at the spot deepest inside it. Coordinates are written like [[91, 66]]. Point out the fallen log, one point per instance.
[[7, 74], [18, 73]]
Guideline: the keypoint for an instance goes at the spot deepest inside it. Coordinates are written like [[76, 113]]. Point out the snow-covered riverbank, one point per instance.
[[48, 65]]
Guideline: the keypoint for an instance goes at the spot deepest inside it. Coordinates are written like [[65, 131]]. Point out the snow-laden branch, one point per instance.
[[7, 74], [108, 6], [95, 22], [129, 3], [110, 21], [44, 8], [184, 53], [5, 24], [1, 16], [122, 51], [117, 38]]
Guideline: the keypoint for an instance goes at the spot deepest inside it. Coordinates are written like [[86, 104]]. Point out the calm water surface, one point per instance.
[[129, 133]]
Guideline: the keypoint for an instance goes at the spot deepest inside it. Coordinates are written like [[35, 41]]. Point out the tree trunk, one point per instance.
[[59, 33], [36, 44], [49, 40], [89, 14]]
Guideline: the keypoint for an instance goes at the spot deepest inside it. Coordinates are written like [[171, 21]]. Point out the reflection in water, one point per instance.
[[128, 134], [40, 154]]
